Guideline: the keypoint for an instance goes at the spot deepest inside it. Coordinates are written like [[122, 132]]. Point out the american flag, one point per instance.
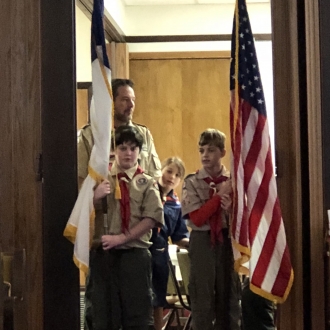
[[80, 227], [257, 228]]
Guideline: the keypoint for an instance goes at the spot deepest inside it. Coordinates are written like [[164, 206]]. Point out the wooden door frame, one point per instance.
[[297, 117], [59, 150], [320, 19], [300, 51]]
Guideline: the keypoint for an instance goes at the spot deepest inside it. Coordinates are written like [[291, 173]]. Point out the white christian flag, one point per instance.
[[80, 227]]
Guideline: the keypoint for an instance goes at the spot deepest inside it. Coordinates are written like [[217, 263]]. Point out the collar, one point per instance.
[[130, 172], [202, 174]]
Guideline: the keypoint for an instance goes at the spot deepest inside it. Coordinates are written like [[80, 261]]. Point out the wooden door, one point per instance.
[[38, 160], [179, 95]]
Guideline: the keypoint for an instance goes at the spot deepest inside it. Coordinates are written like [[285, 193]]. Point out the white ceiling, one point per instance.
[[184, 2]]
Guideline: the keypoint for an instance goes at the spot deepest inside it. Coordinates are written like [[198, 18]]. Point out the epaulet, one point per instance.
[[137, 124], [189, 175]]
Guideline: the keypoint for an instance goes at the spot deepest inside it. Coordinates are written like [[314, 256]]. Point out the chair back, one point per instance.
[[184, 264]]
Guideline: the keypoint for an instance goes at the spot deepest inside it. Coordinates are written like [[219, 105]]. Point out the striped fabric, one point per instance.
[[79, 229], [257, 226]]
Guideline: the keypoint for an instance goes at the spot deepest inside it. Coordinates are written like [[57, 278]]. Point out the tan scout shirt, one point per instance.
[[145, 202], [148, 157], [195, 193]]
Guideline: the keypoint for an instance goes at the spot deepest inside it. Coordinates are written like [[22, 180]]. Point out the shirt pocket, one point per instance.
[[203, 193], [136, 202]]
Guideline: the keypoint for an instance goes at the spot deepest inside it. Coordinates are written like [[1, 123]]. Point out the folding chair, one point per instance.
[[182, 291], [173, 308]]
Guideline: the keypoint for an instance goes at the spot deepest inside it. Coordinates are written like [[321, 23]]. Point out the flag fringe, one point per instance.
[[70, 232], [274, 298], [83, 267]]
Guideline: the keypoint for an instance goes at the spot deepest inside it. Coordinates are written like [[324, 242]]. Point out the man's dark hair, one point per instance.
[[126, 134], [116, 83]]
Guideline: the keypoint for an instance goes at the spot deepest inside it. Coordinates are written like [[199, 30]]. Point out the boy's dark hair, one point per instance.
[[212, 137], [126, 134], [116, 83]]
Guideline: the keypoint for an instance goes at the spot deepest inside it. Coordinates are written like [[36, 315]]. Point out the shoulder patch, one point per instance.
[[185, 199]]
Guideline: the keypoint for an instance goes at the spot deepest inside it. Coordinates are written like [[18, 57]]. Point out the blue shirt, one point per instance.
[[174, 226]]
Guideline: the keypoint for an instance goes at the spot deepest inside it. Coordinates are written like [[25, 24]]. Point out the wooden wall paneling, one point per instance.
[[178, 99], [206, 98], [122, 61], [178, 55], [287, 147], [158, 105], [59, 144], [111, 52], [82, 108]]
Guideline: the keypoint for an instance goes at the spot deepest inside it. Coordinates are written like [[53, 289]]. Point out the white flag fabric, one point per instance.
[[80, 227]]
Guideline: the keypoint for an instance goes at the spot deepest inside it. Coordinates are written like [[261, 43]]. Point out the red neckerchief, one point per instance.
[[125, 210], [216, 219]]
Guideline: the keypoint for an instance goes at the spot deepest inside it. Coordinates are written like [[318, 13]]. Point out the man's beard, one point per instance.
[[122, 118]]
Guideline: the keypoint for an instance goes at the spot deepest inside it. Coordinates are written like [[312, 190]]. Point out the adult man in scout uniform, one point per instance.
[[124, 104]]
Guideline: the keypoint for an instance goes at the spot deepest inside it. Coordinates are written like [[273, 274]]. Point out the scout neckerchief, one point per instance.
[[216, 219], [125, 210]]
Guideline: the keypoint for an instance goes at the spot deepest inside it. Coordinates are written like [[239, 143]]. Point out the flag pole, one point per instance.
[[105, 215]]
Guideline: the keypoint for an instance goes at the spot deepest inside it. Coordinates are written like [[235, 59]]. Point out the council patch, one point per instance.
[[142, 181]]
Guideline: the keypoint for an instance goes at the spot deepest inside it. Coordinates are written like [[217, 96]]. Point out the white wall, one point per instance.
[[83, 48], [115, 10], [165, 20], [192, 19]]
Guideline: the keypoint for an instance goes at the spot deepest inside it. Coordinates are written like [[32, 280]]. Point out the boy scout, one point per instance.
[[120, 269], [214, 286], [124, 104]]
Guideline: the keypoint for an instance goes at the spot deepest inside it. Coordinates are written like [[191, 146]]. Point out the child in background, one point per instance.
[[214, 286], [174, 228]]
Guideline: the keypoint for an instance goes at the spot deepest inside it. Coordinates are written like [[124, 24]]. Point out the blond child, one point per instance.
[[174, 228]]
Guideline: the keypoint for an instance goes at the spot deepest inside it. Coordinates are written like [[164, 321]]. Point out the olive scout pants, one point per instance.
[[258, 313], [118, 292], [214, 286]]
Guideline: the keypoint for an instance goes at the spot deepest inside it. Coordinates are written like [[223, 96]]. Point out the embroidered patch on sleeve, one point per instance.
[[185, 198]]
